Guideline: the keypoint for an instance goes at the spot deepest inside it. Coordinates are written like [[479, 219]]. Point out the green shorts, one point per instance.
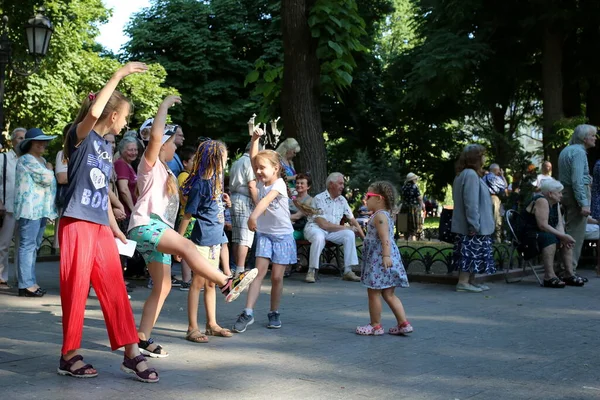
[[148, 237]]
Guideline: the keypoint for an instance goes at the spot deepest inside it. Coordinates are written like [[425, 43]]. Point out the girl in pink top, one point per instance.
[[151, 226]]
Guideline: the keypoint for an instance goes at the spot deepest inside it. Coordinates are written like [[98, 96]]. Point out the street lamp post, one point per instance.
[[38, 30]]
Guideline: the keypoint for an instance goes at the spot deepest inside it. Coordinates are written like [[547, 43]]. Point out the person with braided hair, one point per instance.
[[206, 203], [151, 226]]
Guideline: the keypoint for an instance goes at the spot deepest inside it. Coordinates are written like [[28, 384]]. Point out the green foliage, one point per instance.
[[73, 67], [338, 27], [207, 50]]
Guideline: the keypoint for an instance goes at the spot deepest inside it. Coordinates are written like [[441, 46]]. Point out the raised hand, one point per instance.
[[257, 133], [132, 68], [171, 100]]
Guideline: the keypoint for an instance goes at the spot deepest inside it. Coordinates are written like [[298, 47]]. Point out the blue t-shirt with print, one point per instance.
[[209, 214], [89, 170]]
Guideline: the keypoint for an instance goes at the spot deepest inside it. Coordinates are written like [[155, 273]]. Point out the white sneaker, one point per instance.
[[351, 276], [310, 276]]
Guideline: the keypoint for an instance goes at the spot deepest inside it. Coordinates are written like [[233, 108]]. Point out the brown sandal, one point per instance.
[[196, 336], [65, 368], [218, 331]]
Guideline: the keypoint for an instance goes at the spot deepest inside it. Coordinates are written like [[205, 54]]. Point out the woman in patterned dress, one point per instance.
[[472, 220], [412, 204], [382, 269]]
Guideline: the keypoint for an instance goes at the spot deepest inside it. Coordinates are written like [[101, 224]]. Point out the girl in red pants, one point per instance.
[[87, 234]]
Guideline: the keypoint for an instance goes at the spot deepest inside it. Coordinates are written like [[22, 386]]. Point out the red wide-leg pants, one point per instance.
[[88, 253]]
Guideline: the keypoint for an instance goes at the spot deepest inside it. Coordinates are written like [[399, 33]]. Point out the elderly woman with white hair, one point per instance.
[[544, 230], [288, 150]]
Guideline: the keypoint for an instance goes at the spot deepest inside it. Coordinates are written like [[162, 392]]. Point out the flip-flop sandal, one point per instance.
[[554, 283], [222, 332], [196, 336], [158, 351], [130, 366], [574, 280], [65, 368]]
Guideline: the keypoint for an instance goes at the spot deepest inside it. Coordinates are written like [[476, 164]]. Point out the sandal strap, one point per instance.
[[67, 364]]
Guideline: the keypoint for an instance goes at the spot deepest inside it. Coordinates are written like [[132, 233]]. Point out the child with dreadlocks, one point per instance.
[[152, 224], [205, 202]]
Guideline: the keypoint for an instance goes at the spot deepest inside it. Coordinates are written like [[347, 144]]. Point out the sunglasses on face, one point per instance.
[[371, 194]]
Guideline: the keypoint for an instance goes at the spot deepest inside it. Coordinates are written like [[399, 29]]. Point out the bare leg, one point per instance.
[[374, 306], [463, 277], [173, 243], [225, 259], [262, 264], [240, 252], [161, 276], [193, 298], [567, 257], [395, 304], [277, 271], [186, 272], [210, 304], [548, 260]]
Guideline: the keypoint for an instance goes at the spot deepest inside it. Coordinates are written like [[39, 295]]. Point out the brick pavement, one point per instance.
[[516, 341]]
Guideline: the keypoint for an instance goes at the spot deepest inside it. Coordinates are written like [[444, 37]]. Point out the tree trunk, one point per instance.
[[552, 86], [571, 87], [300, 98]]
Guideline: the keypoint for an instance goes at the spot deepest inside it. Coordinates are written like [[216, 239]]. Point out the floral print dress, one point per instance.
[[373, 274]]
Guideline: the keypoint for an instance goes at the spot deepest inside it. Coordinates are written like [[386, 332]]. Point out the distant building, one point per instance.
[[531, 139]]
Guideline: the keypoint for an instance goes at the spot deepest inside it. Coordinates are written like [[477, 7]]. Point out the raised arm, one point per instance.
[[256, 135], [158, 129], [89, 121]]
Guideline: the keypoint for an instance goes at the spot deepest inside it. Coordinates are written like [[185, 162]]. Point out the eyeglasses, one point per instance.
[[371, 194]]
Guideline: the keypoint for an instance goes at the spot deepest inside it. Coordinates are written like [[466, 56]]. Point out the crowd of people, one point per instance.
[[173, 203], [554, 219]]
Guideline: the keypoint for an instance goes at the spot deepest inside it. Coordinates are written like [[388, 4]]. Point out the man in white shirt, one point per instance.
[[326, 227], [8, 166], [244, 195], [546, 174]]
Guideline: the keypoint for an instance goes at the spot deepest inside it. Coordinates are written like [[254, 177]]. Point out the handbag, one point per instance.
[[300, 224], [528, 246], [445, 227]]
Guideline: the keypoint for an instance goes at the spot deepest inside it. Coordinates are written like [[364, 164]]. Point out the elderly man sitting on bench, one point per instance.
[[326, 227]]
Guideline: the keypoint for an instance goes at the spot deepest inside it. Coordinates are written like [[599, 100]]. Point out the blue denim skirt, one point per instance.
[[280, 249]]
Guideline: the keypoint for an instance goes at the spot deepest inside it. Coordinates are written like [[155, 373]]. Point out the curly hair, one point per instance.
[[387, 190]]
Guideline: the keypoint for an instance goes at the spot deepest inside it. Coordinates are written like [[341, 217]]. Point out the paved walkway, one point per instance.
[[517, 341]]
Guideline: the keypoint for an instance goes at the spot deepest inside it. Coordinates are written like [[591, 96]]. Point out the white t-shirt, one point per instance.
[[276, 218], [540, 178], [60, 166], [240, 174]]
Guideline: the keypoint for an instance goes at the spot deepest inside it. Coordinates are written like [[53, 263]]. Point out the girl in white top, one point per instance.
[[275, 235], [151, 226]]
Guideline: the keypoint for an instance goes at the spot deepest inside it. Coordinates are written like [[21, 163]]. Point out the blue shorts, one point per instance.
[[280, 249], [147, 238]]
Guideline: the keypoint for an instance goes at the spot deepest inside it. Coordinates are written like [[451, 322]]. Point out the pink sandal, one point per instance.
[[369, 330], [402, 329]]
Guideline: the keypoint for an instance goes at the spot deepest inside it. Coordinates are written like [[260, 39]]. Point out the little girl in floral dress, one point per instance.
[[382, 270]]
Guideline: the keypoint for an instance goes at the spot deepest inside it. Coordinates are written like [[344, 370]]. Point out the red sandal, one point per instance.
[[130, 366], [66, 365]]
